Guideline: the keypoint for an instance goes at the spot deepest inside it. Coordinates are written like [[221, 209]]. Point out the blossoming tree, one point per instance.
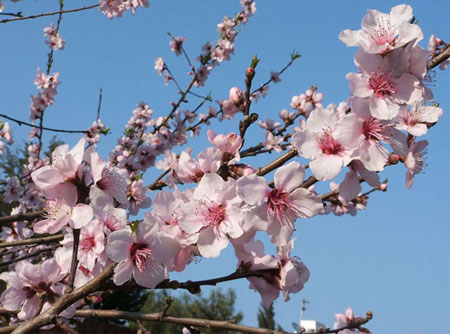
[[84, 226]]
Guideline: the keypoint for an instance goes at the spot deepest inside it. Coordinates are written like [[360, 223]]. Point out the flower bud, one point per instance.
[[250, 73]]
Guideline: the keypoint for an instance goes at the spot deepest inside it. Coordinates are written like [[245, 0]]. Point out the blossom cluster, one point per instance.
[[208, 201]]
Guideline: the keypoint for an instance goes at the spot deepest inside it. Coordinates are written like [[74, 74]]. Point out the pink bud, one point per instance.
[[250, 72], [383, 186]]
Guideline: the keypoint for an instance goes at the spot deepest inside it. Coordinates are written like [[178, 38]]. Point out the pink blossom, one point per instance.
[[385, 81], [13, 189], [61, 209], [159, 65], [382, 32], [108, 181], [275, 210], [360, 128], [230, 143], [144, 254], [28, 283], [213, 214], [63, 169], [112, 8], [293, 273], [138, 198], [176, 44], [414, 160], [416, 119], [91, 245], [319, 142], [54, 41]]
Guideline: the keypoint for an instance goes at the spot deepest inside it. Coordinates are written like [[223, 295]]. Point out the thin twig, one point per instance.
[[33, 241], [74, 263], [27, 256], [21, 216], [43, 128], [99, 108], [442, 56], [49, 14]]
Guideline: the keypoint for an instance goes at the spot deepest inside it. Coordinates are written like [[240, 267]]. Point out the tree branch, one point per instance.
[[20, 216], [135, 316], [439, 58], [33, 241], [44, 128], [49, 14]]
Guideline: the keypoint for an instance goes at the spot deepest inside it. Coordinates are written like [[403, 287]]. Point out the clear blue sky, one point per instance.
[[392, 259]]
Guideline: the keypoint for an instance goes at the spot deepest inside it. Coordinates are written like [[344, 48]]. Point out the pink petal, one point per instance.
[[118, 246], [252, 189], [82, 214], [289, 177]]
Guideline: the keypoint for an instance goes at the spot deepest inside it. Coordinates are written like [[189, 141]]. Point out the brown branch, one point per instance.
[[49, 14], [33, 241], [74, 263], [24, 257], [65, 301], [20, 216], [44, 128], [277, 163], [135, 316], [176, 105], [442, 56]]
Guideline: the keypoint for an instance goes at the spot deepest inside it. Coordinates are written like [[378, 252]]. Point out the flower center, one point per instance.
[[278, 202], [87, 243], [384, 33], [329, 145], [215, 214], [382, 84], [373, 129], [57, 208], [141, 255]]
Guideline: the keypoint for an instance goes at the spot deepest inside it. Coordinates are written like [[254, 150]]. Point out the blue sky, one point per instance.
[[392, 259]]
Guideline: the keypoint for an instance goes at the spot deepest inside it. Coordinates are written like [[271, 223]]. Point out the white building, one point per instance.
[[311, 326]]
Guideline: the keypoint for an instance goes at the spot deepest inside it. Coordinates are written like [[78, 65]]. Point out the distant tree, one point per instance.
[[217, 306], [266, 318]]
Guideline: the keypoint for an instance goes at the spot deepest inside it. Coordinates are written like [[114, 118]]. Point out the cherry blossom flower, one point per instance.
[[63, 169], [212, 213], [54, 40], [30, 283], [159, 65], [382, 32], [108, 181], [144, 254], [275, 210], [13, 189], [112, 8], [62, 209], [137, 197], [230, 143], [176, 44], [414, 160], [415, 120], [342, 320], [385, 81], [293, 273], [320, 143], [362, 129]]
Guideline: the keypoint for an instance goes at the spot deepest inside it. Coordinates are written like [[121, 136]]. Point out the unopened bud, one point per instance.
[[250, 73], [383, 186]]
